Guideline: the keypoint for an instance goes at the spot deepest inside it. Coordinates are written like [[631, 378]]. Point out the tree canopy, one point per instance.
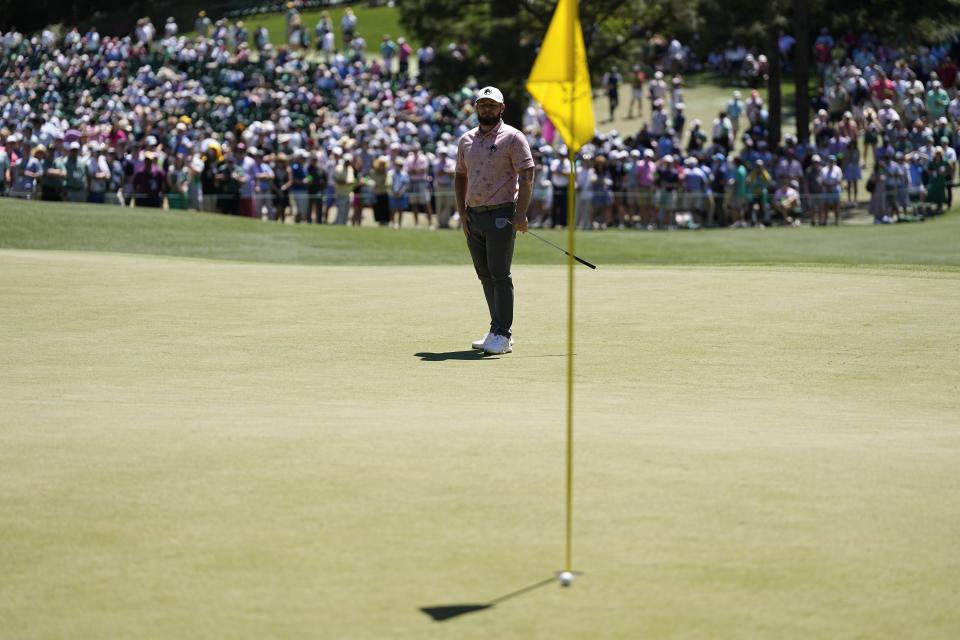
[[496, 40]]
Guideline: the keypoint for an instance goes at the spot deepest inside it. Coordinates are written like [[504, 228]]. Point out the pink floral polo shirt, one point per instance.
[[491, 163]]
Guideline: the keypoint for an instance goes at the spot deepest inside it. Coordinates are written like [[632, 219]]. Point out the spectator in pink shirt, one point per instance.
[[418, 168], [645, 172]]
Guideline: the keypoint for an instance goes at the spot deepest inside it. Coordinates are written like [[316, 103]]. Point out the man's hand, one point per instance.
[[465, 222], [520, 221]]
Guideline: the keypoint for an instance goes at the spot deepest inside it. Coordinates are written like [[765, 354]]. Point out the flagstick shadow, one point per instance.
[[440, 613]]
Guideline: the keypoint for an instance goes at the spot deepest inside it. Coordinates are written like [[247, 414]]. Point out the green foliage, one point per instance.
[[502, 37], [502, 45]]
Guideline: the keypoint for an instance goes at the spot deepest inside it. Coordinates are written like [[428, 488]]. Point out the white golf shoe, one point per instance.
[[498, 344], [478, 344]]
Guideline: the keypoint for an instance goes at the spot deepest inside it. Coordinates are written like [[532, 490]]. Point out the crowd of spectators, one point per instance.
[[318, 134], [894, 112]]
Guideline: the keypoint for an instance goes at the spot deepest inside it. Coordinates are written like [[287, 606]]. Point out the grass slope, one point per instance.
[[372, 24], [214, 449], [27, 225]]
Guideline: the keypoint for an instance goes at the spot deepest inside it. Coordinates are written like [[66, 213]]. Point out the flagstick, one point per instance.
[[571, 223]]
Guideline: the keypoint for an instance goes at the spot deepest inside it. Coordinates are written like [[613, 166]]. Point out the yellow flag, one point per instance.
[[560, 79]]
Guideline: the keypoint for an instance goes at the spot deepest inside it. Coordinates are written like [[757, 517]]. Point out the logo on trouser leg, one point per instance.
[[501, 223]]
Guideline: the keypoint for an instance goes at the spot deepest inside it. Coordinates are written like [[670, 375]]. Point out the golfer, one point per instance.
[[492, 204]]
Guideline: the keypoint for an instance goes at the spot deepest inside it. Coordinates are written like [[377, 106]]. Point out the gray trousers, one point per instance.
[[491, 243]]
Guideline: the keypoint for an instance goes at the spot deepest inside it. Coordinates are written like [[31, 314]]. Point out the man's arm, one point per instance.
[[523, 199], [460, 189]]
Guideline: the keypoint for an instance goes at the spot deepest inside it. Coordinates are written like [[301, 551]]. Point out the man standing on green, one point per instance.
[[493, 184]]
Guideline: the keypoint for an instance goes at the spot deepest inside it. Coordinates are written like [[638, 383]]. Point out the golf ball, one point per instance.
[[566, 578]]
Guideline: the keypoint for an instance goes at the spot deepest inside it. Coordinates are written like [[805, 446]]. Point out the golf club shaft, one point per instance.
[[578, 259]]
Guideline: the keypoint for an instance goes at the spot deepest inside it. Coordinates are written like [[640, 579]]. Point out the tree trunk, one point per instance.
[[774, 97], [507, 60], [801, 70]]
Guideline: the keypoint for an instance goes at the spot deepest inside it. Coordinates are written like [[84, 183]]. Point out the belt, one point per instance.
[[490, 207]]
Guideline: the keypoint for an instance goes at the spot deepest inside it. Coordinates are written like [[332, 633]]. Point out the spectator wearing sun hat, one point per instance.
[[98, 173], [937, 101], [249, 168], [399, 184], [177, 183], [27, 172], [344, 179], [75, 181], [657, 88], [299, 192], [445, 169], [380, 175], [832, 181]]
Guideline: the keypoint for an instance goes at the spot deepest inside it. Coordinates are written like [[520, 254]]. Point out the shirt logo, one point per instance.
[[492, 148]]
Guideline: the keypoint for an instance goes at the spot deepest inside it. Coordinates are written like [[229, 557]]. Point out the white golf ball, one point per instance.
[[566, 578]]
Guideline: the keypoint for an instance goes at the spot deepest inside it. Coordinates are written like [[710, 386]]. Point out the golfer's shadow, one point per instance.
[[439, 613], [470, 354]]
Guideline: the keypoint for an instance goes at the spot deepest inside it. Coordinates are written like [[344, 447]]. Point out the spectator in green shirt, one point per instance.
[[75, 186]]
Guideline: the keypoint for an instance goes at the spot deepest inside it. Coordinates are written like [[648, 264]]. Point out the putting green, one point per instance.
[[206, 449]]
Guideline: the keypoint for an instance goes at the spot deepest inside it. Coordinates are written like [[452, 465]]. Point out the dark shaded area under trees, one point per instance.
[[498, 40]]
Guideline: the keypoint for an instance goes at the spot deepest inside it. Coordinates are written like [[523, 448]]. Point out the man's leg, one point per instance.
[[500, 241], [477, 243]]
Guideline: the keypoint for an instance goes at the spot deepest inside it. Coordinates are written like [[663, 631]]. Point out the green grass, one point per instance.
[[932, 244], [372, 24], [217, 427], [195, 448], [705, 95]]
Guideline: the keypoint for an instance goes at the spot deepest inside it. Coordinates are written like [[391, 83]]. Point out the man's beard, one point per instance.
[[488, 121]]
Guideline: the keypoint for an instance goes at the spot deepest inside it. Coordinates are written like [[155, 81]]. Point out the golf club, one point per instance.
[[578, 259]]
